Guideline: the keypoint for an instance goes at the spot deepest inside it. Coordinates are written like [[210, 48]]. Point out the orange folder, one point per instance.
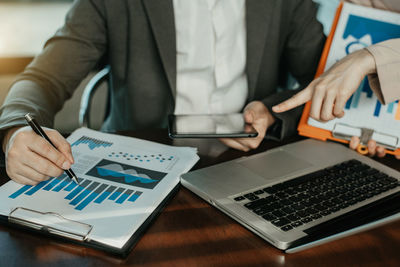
[[315, 132]]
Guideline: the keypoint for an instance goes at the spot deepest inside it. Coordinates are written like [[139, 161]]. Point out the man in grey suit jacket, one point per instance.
[[137, 39]]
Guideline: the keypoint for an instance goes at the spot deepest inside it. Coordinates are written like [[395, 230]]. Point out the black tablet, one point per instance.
[[209, 126]]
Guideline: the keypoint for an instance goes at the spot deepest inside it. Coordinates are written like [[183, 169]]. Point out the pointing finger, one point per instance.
[[295, 101]]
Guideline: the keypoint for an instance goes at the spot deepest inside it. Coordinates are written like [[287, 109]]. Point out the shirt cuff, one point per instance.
[[274, 131]]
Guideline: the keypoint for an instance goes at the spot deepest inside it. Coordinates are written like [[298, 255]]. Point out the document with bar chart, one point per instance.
[[122, 181], [359, 27]]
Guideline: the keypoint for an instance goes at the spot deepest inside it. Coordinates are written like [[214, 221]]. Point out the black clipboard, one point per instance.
[[79, 236]]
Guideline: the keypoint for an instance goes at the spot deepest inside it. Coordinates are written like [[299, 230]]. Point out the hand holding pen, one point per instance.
[[31, 159]]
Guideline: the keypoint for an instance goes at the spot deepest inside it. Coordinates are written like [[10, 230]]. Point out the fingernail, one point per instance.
[[66, 165]]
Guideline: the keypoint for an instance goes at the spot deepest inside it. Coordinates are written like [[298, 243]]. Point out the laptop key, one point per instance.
[[306, 220], [316, 216], [297, 224], [334, 209], [294, 199], [252, 198], [269, 217], [312, 211], [325, 212], [257, 203], [240, 198], [287, 228], [293, 217], [285, 202], [302, 213], [278, 213], [280, 222], [288, 210], [282, 195], [258, 192], [298, 206], [344, 205], [270, 190], [320, 207], [268, 208], [260, 211]]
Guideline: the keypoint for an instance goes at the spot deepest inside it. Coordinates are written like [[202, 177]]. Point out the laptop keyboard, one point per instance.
[[310, 197]]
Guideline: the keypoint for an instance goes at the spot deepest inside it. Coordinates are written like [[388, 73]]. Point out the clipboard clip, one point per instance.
[[344, 131], [50, 222]]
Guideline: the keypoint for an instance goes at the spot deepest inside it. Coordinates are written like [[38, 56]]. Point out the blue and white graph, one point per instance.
[[362, 32], [126, 174], [80, 196], [92, 143], [365, 94]]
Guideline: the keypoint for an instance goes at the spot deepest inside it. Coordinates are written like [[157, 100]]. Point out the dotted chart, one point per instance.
[[150, 158]]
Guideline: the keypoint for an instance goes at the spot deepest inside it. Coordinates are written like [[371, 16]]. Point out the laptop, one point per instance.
[[302, 194]]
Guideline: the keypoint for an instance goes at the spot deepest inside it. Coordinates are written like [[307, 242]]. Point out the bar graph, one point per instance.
[[92, 143], [105, 194], [80, 196], [365, 93]]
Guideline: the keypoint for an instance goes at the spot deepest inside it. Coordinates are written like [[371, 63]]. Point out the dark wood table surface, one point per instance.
[[190, 232]]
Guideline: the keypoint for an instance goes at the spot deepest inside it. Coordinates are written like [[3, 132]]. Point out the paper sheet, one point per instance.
[[360, 27], [122, 180]]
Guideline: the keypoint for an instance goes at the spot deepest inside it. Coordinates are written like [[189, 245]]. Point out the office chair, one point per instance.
[[87, 97]]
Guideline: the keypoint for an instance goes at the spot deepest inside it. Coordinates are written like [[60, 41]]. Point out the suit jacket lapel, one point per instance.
[[161, 16], [258, 18]]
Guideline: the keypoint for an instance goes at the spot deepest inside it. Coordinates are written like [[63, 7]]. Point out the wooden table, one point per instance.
[[190, 232]]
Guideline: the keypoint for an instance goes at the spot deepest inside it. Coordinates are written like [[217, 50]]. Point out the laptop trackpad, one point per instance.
[[275, 164]]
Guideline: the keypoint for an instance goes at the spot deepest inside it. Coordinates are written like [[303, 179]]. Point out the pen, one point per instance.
[[37, 129]]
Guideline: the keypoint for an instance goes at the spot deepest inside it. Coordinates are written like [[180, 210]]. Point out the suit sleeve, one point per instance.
[[385, 83], [54, 74], [303, 47]]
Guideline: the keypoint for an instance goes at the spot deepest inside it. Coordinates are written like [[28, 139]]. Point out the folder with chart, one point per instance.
[[356, 27], [122, 181]]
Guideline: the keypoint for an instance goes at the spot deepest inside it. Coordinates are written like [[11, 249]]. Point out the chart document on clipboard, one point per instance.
[[122, 181], [356, 27]]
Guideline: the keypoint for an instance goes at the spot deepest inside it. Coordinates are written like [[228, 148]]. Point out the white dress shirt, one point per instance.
[[211, 56]]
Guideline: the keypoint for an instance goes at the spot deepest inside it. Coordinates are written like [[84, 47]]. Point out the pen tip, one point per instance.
[[75, 179]]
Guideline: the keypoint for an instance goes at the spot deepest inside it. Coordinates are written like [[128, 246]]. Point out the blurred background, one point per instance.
[[27, 24]]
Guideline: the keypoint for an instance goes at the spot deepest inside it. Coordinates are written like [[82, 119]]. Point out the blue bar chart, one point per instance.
[[354, 101], [80, 196], [92, 143]]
